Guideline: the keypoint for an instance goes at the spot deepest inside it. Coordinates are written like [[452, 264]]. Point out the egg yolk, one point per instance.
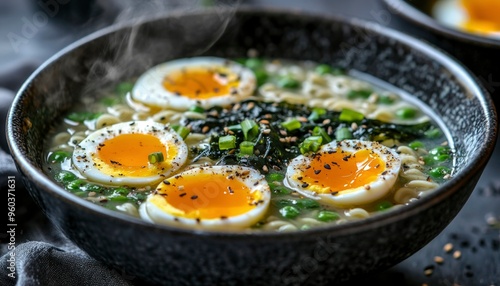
[[483, 15], [205, 196], [201, 83], [339, 171], [128, 154]]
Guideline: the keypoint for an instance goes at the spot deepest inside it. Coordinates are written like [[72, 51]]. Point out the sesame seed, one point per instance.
[[448, 247], [438, 259], [457, 254]]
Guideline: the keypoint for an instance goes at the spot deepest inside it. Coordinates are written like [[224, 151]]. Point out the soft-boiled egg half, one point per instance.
[[203, 81], [212, 198], [345, 173], [120, 154], [476, 16]]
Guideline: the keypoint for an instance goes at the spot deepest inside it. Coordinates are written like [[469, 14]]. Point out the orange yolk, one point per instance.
[[128, 153], [205, 196], [199, 83], [341, 171], [483, 15]]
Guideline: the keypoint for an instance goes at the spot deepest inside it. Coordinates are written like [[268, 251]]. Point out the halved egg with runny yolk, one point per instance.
[[345, 173], [476, 16], [120, 154], [202, 81], [212, 198]]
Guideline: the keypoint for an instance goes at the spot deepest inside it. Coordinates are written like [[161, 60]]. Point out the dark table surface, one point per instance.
[[474, 233]]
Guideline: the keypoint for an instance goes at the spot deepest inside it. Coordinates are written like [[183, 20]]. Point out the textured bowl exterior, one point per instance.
[[164, 255]]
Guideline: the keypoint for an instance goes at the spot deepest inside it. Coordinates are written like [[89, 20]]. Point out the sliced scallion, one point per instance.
[[182, 131], [227, 142], [350, 115], [246, 148], [343, 134], [156, 157], [316, 113], [196, 108], [362, 93], [310, 144], [291, 124], [250, 129], [319, 131]]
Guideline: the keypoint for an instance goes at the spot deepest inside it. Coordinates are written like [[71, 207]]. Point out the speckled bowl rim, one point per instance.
[[467, 80], [414, 15]]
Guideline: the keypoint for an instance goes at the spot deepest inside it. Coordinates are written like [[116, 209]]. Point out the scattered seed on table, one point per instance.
[[457, 254], [448, 247], [438, 259]]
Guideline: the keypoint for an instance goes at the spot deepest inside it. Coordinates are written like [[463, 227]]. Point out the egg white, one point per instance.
[[175, 217], [85, 157], [150, 91], [450, 12], [349, 197]]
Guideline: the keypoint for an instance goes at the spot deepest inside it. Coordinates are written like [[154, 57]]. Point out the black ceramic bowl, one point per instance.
[[163, 254], [479, 53]]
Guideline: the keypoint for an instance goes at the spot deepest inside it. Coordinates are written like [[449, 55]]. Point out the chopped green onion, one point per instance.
[[65, 177], [328, 69], [327, 216], [254, 63], [279, 190], [433, 133], [82, 116], [316, 113], [319, 131], [58, 156], [382, 206], [122, 191], [246, 148], [291, 124], [350, 115], [93, 188], [196, 108], [406, 113], [227, 142], [289, 212], [415, 145], [362, 93], [310, 144], [343, 134], [273, 177], [181, 130], [76, 184], [440, 150], [124, 88], [307, 204], [385, 99], [288, 82], [250, 129], [323, 69], [261, 76], [439, 172], [156, 157]]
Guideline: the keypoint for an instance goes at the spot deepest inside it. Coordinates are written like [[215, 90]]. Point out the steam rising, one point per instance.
[[182, 28]]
